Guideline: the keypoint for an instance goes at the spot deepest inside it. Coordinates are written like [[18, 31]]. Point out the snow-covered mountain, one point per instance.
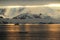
[[45, 11]]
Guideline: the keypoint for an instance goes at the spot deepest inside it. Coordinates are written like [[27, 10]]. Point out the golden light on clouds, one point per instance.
[[21, 6], [53, 5], [48, 5]]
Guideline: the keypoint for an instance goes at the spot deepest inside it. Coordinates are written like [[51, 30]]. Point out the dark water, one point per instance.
[[30, 32]]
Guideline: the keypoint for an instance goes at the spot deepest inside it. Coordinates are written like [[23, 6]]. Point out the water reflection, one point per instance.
[[30, 32]]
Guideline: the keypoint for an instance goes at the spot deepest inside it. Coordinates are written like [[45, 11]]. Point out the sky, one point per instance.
[[27, 2]]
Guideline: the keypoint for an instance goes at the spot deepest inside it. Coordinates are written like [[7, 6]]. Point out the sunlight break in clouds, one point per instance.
[[53, 5], [48, 5]]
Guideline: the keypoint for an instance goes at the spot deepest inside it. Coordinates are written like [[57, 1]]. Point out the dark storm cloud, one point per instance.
[[27, 2]]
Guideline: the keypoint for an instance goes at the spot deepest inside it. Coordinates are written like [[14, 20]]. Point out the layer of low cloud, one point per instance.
[[27, 2]]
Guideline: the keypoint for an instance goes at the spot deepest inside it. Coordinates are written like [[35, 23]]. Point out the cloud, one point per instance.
[[27, 2]]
